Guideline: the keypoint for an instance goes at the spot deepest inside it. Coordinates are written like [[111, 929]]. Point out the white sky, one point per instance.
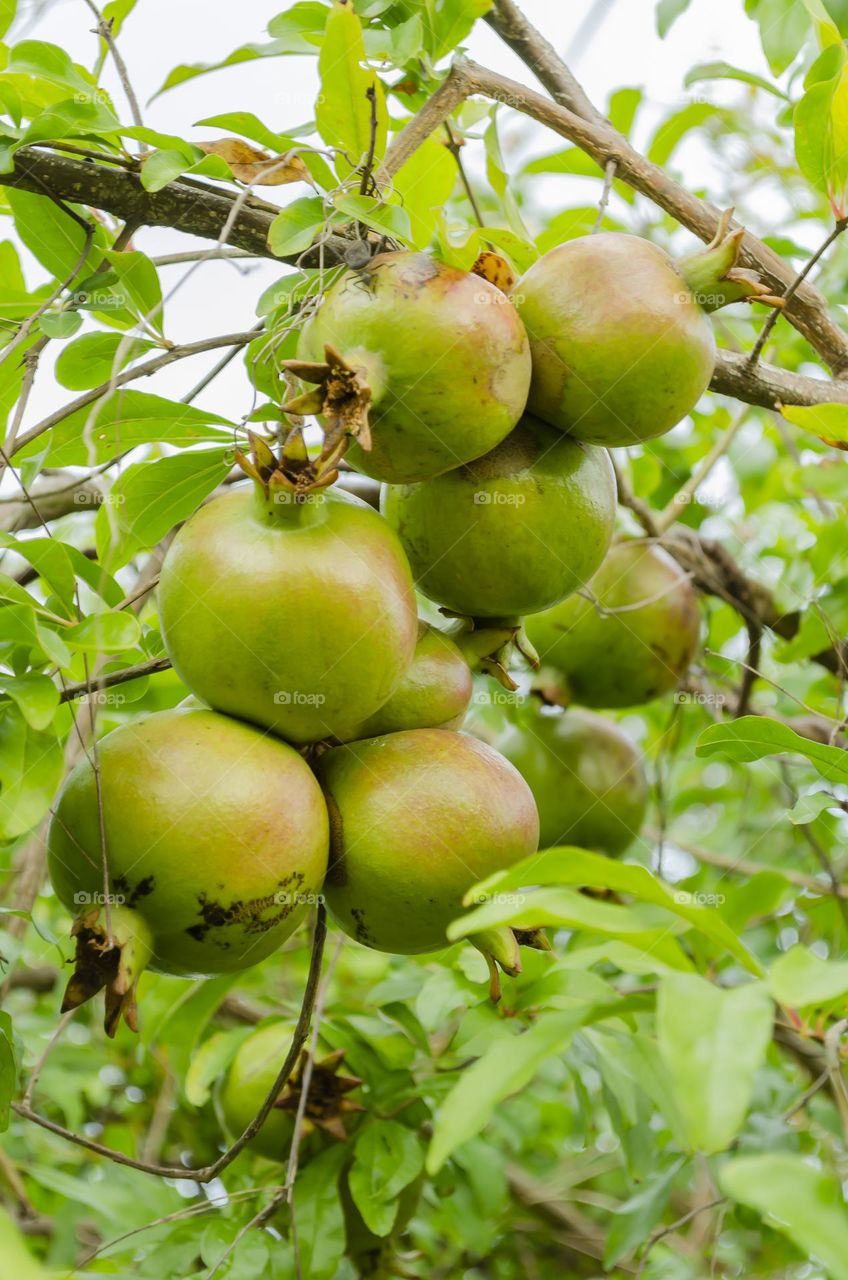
[[162, 33]]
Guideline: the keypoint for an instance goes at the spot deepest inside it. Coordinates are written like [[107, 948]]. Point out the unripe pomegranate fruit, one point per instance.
[[216, 839], [510, 533], [293, 611], [622, 347], [434, 692], [424, 365], [635, 643], [250, 1078], [586, 776], [416, 819]]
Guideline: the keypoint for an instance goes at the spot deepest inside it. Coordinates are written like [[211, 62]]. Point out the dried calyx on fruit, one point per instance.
[[195, 848], [290, 606], [420, 365], [251, 1075], [621, 344]]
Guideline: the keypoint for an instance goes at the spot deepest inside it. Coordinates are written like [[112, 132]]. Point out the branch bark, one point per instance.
[[584, 125]]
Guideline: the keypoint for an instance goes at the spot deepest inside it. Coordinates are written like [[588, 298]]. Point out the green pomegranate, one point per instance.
[[434, 692], [586, 776], [426, 366], [638, 650], [622, 347], [513, 532], [416, 819], [250, 1078], [295, 612], [216, 840]]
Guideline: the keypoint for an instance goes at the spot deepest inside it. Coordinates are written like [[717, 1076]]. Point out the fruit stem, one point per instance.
[[110, 956], [713, 276]]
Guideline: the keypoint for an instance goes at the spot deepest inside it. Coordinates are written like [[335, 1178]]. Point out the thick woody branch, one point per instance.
[[807, 309], [190, 206]]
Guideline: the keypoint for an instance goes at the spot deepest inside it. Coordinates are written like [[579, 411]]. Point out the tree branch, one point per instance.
[[574, 117], [210, 1172]]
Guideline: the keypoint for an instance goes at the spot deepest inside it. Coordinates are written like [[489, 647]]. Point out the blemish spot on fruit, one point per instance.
[[248, 914]]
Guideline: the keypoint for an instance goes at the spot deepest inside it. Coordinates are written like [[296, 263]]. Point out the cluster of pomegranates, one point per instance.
[[325, 748]]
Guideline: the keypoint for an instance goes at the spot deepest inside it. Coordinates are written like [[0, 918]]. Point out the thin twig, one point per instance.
[[210, 1172], [772, 318], [606, 191], [104, 30]]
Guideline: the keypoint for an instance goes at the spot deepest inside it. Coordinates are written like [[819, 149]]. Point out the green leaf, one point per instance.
[[138, 283], [210, 1061], [808, 808], [800, 979], [634, 1220], [60, 324], [31, 768], [294, 229], [17, 1258], [319, 1215], [8, 1069], [343, 110], [51, 560], [38, 58], [71, 118], [150, 498], [450, 21], [503, 1070], [94, 358], [125, 419], [51, 236], [784, 29], [104, 633], [827, 421], [580, 867], [668, 11], [36, 697], [754, 737], [301, 27], [245, 53], [7, 15], [388, 219], [713, 1042], [424, 184], [724, 71], [821, 132], [797, 1199], [387, 1157], [161, 167], [676, 126]]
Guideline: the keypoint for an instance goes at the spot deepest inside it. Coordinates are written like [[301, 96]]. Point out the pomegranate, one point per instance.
[[216, 840], [510, 533], [434, 692], [416, 819], [586, 776], [640, 648], [622, 347], [289, 609], [425, 366], [250, 1078]]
